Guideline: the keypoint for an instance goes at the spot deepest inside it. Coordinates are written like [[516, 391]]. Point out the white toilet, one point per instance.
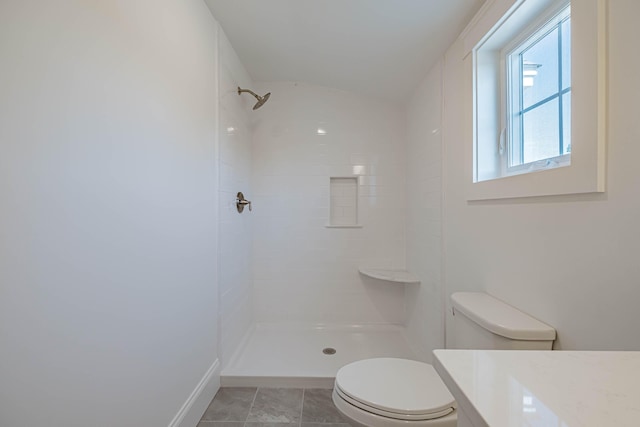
[[389, 392]]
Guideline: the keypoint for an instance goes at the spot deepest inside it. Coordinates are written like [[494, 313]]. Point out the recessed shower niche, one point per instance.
[[343, 202]]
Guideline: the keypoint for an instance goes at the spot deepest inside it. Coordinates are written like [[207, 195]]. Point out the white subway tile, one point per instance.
[[302, 270]]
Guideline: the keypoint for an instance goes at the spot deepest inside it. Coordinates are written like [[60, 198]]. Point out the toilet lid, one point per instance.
[[397, 388]]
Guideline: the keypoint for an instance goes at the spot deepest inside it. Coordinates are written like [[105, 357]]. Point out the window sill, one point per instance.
[[544, 182]]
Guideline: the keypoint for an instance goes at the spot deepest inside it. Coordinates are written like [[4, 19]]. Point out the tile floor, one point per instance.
[[272, 407]]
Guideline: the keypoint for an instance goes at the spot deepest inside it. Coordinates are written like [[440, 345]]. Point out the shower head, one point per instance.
[[261, 99]]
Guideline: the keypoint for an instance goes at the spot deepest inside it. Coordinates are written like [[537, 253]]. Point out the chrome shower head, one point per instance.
[[261, 99]]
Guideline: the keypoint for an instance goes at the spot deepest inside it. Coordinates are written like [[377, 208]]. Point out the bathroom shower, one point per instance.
[[261, 99], [299, 308]]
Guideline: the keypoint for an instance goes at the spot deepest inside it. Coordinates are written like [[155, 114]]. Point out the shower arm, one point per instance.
[[248, 91]]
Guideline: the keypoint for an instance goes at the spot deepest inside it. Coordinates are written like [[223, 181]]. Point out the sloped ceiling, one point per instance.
[[379, 48]]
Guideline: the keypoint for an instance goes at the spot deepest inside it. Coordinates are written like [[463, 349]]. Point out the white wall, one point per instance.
[[571, 261], [425, 317], [108, 275], [303, 271], [236, 235]]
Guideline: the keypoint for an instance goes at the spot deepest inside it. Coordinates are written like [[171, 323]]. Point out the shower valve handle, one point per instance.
[[241, 202], [245, 202]]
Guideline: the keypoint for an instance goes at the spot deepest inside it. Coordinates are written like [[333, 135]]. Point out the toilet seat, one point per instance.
[[393, 415], [398, 389]]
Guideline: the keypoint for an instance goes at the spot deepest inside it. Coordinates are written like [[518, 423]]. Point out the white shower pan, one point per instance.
[[285, 355]]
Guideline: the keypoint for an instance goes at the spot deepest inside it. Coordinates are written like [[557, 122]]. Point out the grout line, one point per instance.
[[251, 406], [301, 409]]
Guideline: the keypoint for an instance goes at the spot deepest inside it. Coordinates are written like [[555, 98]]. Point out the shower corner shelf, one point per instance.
[[396, 276]]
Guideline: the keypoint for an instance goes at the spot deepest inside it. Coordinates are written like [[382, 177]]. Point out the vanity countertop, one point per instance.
[[497, 388]]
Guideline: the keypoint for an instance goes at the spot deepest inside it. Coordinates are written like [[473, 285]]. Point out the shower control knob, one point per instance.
[[241, 202]]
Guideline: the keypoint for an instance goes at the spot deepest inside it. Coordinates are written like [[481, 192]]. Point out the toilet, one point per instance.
[[390, 392]]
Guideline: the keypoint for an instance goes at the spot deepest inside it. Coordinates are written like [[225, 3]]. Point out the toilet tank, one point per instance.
[[485, 323]]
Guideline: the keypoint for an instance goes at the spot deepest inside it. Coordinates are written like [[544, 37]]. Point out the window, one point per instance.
[[536, 96], [538, 104]]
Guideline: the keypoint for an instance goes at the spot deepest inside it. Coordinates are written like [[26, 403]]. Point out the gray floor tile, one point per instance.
[[271, 425], [220, 424], [325, 425], [319, 408], [276, 405], [230, 404]]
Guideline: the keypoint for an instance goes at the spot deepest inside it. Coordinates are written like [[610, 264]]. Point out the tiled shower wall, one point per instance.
[[235, 229], [304, 271]]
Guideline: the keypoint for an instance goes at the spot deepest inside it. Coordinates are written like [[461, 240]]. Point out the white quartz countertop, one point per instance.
[[498, 388]]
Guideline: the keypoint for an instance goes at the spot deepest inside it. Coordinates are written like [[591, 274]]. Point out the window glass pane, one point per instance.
[[566, 54], [566, 122], [541, 132], [540, 69]]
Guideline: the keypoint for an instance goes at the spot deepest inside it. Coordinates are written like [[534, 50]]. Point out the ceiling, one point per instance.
[[379, 48]]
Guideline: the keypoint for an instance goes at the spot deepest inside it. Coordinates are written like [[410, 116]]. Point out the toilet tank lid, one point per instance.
[[501, 318]]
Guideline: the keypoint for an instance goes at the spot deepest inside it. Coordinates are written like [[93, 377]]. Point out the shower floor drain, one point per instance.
[[329, 350]]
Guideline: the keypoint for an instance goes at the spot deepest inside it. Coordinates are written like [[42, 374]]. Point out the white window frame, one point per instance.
[[586, 172], [538, 29]]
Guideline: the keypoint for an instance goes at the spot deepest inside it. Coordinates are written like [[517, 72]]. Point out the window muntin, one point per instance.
[[539, 96]]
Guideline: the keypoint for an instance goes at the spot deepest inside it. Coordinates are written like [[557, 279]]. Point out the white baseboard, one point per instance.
[[191, 412]]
